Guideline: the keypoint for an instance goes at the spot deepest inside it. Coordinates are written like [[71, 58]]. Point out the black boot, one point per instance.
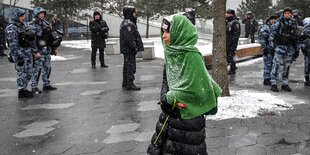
[[36, 91], [231, 72], [267, 82], [104, 66], [24, 93], [49, 87], [286, 88], [274, 88], [132, 87], [307, 83], [233, 69]]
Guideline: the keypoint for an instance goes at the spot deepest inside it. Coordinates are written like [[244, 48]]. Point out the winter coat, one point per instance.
[[263, 38], [13, 32], [251, 25], [130, 39], [182, 130], [99, 31], [232, 32], [179, 136]]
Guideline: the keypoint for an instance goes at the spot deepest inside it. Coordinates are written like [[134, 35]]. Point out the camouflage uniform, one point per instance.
[[283, 38], [44, 63], [263, 38], [306, 49], [22, 54]]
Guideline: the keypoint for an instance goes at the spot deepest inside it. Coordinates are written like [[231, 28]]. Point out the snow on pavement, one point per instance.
[[249, 103]]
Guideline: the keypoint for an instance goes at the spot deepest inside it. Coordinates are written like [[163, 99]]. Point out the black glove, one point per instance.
[[20, 61], [266, 51]]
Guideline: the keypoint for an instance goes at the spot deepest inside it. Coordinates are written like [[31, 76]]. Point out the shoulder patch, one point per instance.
[[237, 25]]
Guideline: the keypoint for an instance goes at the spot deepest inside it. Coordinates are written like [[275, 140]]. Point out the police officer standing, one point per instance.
[[42, 62], [232, 38], [99, 32], [21, 39], [250, 25], [298, 20], [284, 38], [263, 39], [130, 44]]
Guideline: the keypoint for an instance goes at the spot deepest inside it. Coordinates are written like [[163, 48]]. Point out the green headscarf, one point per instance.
[[188, 80]]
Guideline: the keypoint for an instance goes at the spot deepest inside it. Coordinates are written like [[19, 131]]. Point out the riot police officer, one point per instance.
[[232, 38], [250, 25], [283, 37], [263, 38], [21, 39], [130, 44], [42, 62], [306, 49], [99, 32]]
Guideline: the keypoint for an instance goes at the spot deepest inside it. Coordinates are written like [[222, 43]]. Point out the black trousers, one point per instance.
[[247, 34], [230, 51], [129, 69], [94, 53]]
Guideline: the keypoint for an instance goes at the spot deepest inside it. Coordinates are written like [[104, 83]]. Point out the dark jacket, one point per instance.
[[179, 136], [130, 39], [251, 25], [99, 31], [233, 32]]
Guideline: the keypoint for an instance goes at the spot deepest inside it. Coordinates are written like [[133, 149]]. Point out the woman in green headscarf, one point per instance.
[[188, 92]]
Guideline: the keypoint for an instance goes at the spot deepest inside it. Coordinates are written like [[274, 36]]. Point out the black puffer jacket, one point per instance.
[[178, 136], [130, 39], [99, 30]]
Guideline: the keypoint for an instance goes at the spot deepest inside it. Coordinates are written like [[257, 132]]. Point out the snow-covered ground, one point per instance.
[[241, 104]]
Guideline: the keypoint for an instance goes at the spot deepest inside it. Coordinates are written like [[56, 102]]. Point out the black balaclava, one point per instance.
[[128, 13]]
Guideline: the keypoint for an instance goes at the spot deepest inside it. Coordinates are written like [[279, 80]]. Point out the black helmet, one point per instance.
[[288, 9], [128, 11], [272, 17], [296, 11], [279, 13], [231, 11]]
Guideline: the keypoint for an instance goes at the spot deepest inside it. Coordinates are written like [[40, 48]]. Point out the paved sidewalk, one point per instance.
[[91, 114]]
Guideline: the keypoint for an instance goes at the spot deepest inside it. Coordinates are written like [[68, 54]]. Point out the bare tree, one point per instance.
[[219, 65]]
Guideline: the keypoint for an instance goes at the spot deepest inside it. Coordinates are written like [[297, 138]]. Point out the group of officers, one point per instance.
[[281, 36], [31, 45], [130, 44]]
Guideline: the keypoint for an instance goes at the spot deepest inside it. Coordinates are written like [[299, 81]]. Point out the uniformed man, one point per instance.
[[232, 38], [130, 44], [306, 49], [42, 62], [99, 32], [21, 41], [284, 38], [263, 39], [251, 25]]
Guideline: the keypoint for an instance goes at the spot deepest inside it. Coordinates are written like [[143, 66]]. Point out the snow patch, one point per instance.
[[246, 104]]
